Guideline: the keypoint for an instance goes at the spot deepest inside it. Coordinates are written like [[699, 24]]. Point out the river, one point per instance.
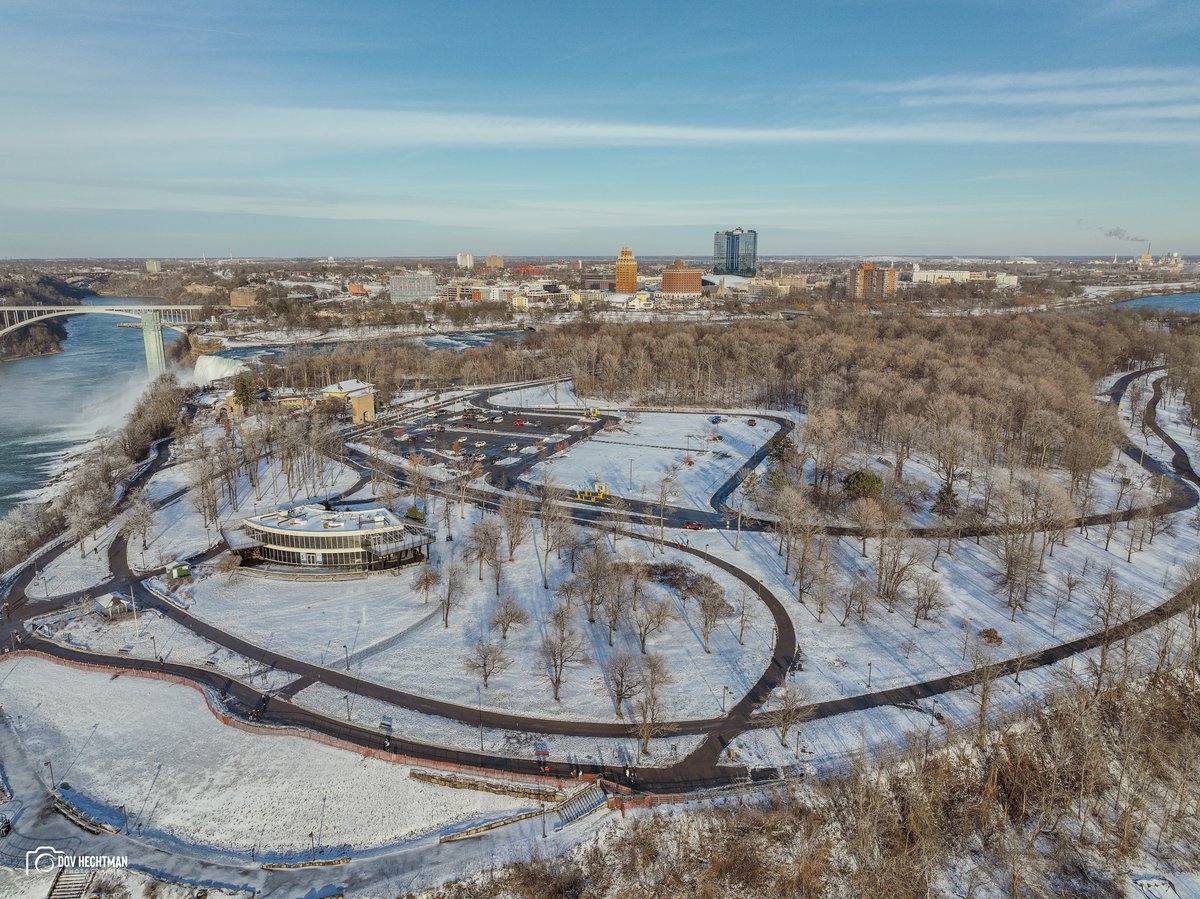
[[50, 406], [1179, 302]]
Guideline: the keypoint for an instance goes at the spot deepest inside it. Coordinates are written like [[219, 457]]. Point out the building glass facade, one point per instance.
[[735, 253]]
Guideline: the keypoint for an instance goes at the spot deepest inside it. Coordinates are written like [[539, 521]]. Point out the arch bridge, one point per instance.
[[153, 319]]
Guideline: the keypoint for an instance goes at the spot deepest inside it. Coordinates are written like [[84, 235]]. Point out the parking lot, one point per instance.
[[505, 443]]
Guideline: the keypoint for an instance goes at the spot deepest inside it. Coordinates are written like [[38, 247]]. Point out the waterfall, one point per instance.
[[212, 368]]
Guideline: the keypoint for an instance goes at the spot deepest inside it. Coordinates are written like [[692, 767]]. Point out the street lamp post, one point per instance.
[[869, 664], [53, 783], [347, 651], [724, 690], [313, 839], [542, 805], [346, 696]]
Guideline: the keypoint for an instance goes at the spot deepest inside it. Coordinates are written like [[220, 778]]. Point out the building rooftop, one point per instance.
[[349, 388], [319, 520]]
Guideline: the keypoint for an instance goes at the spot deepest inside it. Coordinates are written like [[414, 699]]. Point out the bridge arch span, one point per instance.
[[153, 319]]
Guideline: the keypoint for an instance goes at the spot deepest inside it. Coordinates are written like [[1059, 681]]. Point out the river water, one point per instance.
[[1180, 302], [50, 406]]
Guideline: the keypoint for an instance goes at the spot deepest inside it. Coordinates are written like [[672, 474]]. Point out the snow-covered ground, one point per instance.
[[179, 531], [186, 779], [647, 448], [70, 572], [439, 731], [393, 638]]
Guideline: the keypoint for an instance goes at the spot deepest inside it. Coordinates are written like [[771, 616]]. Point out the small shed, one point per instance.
[[112, 604], [179, 570]]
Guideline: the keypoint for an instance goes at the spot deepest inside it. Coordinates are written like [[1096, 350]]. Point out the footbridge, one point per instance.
[[153, 319]]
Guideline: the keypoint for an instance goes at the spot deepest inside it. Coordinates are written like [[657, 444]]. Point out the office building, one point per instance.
[[153, 266], [626, 271], [735, 253], [412, 287], [870, 283], [495, 262], [681, 281], [466, 260]]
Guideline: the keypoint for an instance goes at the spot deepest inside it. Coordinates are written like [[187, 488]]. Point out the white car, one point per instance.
[[479, 444]]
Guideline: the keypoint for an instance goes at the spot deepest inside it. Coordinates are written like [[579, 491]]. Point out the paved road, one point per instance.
[[698, 769]]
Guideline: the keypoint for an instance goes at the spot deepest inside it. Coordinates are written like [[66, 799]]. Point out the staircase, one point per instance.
[[70, 884], [582, 803]]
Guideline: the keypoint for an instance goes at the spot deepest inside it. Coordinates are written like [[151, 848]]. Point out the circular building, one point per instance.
[[369, 539]]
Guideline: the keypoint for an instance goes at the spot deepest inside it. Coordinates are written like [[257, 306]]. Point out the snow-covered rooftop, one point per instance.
[[318, 519]]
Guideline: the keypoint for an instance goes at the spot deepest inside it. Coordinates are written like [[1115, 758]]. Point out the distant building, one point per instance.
[[997, 280], [681, 281], [243, 296], [466, 260], [357, 290], [626, 271], [495, 262], [735, 253], [153, 266], [793, 283], [360, 539], [412, 287], [528, 270], [359, 397], [602, 283], [870, 283]]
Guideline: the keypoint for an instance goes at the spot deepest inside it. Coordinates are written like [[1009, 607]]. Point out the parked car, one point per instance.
[[511, 448], [693, 526], [479, 444], [519, 422]]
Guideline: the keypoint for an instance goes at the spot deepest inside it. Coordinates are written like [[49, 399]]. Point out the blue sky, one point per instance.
[[352, 128]]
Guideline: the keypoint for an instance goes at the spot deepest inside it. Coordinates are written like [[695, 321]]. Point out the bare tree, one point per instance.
[[623, 672], [515, 512], [486, 659], [452, 596], [710, 602], [649, 615], [561, 646], [427, 579], [508, 614], [140, 518], [791, 708], [649, 707], [927, 598], [483, 542]]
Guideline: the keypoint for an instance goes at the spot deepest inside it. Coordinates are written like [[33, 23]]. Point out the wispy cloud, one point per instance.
[[263, 132]]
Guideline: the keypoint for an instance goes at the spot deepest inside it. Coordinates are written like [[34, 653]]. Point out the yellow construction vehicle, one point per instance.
[[597, 494]]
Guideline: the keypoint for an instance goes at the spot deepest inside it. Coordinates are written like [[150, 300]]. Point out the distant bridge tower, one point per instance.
[[156, 354]]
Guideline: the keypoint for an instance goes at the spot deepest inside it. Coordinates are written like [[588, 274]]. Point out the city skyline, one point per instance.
[[842, 129]]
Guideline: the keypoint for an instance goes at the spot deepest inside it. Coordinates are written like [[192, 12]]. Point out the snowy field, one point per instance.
[[828, 743], [219, 787], [393, 637], [437, 731], [178, 530], [70, 573], [312, 620], [890, 651], [153, 635], [635, 457]]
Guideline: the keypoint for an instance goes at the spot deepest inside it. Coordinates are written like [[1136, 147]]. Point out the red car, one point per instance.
[[693, 526], [519, 421]]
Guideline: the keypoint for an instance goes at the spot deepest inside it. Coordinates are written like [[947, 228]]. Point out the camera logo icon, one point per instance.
[[43, 860]]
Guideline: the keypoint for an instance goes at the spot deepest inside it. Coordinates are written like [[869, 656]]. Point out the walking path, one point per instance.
[[696, 770]]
